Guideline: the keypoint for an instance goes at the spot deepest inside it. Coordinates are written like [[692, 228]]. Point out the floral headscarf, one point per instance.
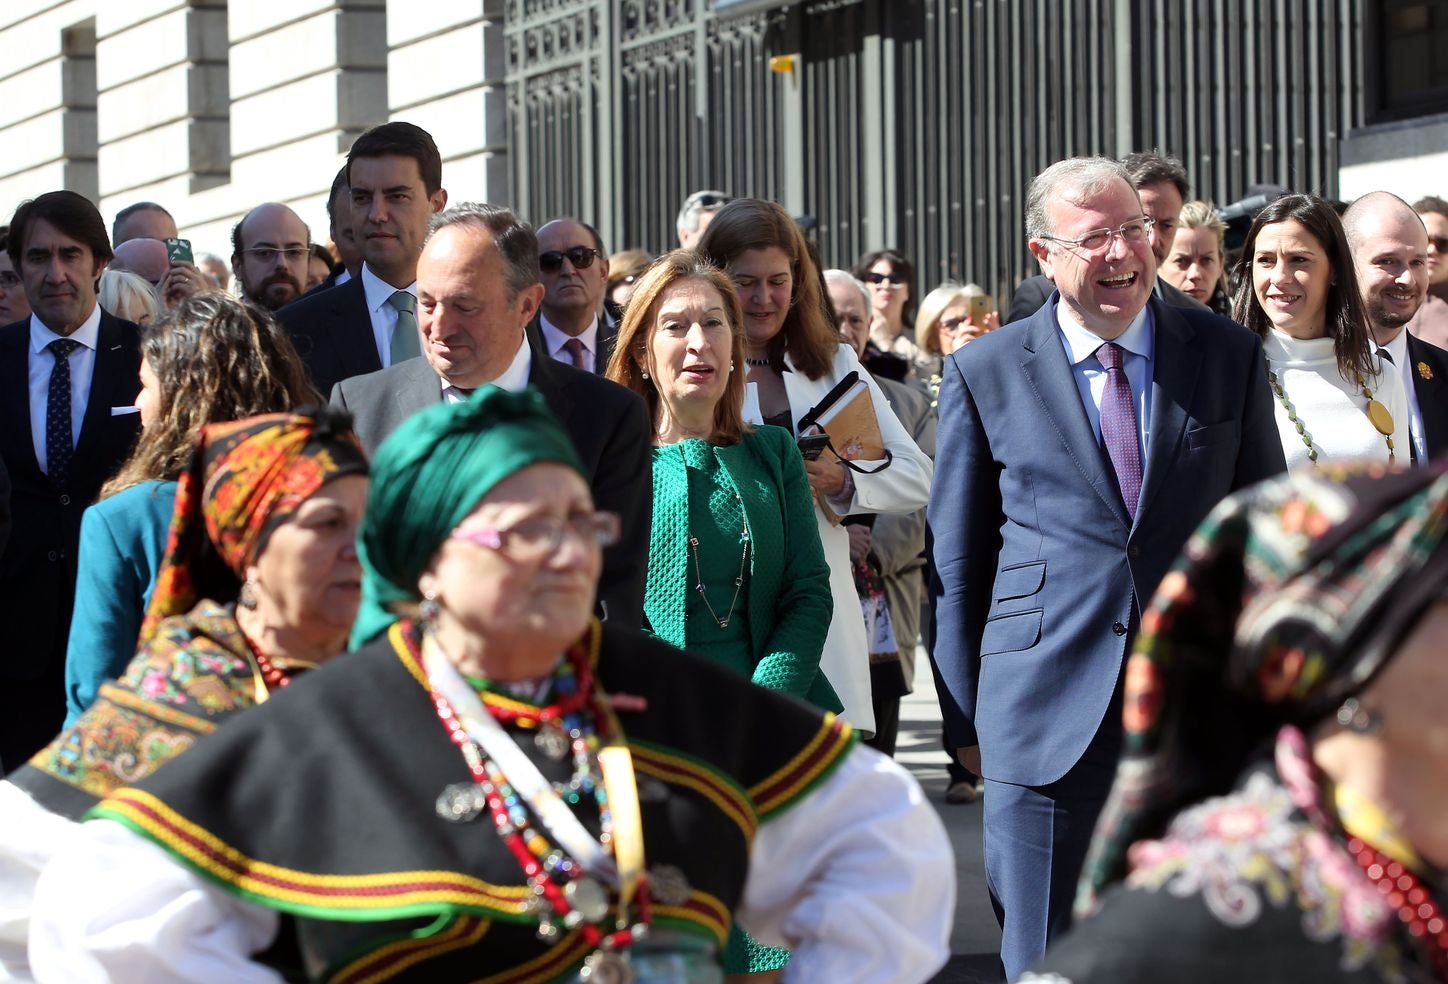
[[244, 479], [1286, 601]]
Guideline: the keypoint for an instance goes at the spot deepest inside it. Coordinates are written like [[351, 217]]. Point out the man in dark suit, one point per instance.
[[1390, 252], [478, 289], [1077, 451], [571, 321], [395, 176], [1161, 183], [71, 373]]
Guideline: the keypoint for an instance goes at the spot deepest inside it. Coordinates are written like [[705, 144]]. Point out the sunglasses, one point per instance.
[[1440, 243], [581, 257], [879, 278]]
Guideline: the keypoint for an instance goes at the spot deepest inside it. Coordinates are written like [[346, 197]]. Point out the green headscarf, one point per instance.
[[430, 474]]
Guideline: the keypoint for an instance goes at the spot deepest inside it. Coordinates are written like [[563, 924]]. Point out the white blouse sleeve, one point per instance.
[[904, 485], [115, 907], [857, 879]]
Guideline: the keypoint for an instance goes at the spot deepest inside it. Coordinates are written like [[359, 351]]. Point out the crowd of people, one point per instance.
[[482, 604]]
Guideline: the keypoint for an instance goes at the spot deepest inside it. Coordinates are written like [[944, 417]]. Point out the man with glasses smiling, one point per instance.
[[574, 268], [270, 249], [1076, 452]]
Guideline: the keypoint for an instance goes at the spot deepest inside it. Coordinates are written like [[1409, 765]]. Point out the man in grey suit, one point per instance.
[[477, 290], [1077, 451], [1161, 183]]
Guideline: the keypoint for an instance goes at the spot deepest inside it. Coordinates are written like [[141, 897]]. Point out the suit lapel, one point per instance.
[[351, 330], [1430, 383], [1175, 365], [104, 377], [1049, 373], [418, 388], [543, 374]]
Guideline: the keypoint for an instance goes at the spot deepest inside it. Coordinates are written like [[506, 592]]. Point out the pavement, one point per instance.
[[975, 939]]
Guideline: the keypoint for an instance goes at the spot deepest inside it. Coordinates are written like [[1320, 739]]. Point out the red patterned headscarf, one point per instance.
[[244, 479]]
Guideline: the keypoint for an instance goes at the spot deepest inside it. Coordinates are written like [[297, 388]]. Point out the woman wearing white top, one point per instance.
[[1298, 291], [795, 357]]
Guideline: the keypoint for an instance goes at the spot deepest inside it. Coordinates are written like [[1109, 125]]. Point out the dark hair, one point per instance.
[[808, 335], [1344, 320], [515, 240], [403, 140], [338, 183], [74, 215], [901, 265], [1154, 168], [324, 254], [131, 210], [1431, 203], [216, 358], [630, 352]]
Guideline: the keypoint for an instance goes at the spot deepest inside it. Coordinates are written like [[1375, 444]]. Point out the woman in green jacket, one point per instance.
[[736, 570]]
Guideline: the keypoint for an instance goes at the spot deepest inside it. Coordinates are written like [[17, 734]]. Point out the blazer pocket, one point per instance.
[[1020, 580], [1203, 437], [1011, 633]]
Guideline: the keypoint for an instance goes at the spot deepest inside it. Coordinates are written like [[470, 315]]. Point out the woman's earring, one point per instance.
[[1358, 719], [731, 365], [644, 373], [428, 609], [247, 598]]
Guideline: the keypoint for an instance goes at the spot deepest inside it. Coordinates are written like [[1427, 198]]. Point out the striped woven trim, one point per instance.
[[548, 966], [719, 788], [393, 958], [383, 895], [701, 909], [154, 709], [824, 751]]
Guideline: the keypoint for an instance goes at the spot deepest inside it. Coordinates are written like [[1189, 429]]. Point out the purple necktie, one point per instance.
[[575, 350], [1118, 426]]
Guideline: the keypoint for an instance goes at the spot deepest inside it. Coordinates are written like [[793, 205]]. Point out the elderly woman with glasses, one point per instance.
[[1278, 812], [495, 785]]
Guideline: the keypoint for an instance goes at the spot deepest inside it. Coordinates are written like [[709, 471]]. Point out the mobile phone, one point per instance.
[[179, 251], [980, 308], [813, 445]]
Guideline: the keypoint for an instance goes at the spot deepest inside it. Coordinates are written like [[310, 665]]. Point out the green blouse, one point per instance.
[[714, 494]]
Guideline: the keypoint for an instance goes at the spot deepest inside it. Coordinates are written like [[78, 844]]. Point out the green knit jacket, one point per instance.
[[789, 599]]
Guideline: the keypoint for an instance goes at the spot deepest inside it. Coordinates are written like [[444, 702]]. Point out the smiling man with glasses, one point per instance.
[[1076, 452], [574, 268], [270, 249]]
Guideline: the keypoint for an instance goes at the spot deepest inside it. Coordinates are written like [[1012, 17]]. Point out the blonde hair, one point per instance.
[[129, 296], [630, 353], [933, 306], [1203, 215]]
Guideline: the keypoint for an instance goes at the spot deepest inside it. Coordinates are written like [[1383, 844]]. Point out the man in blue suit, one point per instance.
[[1077, 450]]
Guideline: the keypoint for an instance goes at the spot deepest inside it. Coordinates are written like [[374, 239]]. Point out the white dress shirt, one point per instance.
[[554, 338], [1139, 343], [384, 315], [514, 378], [1398, 350], [82, 368]]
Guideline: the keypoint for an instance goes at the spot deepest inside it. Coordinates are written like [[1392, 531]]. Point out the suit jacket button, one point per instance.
[[65, 500], [1119, 629], [1133, 551], [52, 556]]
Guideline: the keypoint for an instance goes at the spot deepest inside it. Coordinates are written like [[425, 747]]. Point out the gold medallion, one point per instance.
[[1425, 370], [1381, 418]]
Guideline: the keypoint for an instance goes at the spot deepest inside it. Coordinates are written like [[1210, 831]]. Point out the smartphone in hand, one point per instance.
[[179, 250], [813, 445]]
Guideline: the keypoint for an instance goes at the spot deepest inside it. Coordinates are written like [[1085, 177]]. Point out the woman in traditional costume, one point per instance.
[[496, 786], [1278, 813], [213, 359], [260, 581], [794, 358], [1297, 289]]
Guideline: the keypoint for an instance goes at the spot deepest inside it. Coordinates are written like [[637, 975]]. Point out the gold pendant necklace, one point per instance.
[[1378, 415]]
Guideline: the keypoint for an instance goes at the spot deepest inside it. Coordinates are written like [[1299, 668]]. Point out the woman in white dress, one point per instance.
[[795, 357], [1298, 291]]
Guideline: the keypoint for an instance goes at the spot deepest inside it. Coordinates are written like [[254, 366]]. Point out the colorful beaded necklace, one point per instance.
[[562, 891], [1404, 891]]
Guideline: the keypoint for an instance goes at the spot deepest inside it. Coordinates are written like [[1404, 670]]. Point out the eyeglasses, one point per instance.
[[1135, 231], [581, 257], [268, 254], [879, 278], [536, 539], [9, 280], [1440, 243]]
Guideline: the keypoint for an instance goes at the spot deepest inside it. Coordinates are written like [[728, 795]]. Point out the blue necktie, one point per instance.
[[59, 445]]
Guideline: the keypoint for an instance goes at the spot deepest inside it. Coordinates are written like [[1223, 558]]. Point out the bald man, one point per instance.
[[1390, 249], [144, 257], [270, 249]]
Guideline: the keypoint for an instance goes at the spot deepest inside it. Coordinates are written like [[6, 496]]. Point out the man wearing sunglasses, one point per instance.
[[571, 321], [1076, 451], [1161, 183], [1431, 322]]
